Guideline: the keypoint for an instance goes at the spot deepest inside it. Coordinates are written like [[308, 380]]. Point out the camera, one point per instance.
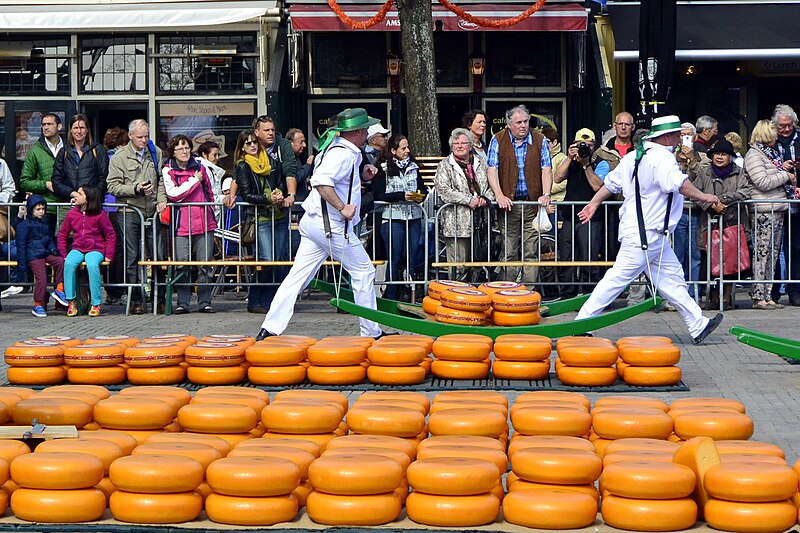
[[584, 150]]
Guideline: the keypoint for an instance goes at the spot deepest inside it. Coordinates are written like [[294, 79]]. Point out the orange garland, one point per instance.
[[356, 25], [489, 23]]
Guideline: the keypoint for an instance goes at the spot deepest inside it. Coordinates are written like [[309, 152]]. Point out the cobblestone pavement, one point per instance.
[[768, 386]]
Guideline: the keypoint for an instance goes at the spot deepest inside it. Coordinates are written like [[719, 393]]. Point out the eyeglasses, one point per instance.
[[624, 124], [246, 143], [182, 149], [461, 144]]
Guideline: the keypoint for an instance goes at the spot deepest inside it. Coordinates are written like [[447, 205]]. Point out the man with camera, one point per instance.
[[584, 172]]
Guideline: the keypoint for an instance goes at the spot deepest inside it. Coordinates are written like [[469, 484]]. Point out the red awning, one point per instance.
[[561, 17]]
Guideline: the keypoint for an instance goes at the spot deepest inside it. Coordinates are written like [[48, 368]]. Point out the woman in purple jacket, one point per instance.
[[186, 181], [93, 241]]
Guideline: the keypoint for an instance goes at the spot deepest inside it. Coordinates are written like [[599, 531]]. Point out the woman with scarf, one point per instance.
[[399, 184], [723, 178], [461, 182], [186, 181], [252, 176], [771, 183]]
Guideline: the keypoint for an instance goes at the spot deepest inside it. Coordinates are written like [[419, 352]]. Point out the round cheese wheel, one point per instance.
[[648, 480], [301, 417], [336, 375], [253, 476], [35, 355], [452, 476], [156, 474], [421, 340], [300, 457], [330, 354], [98, 390], [58, 339], [461, 350], [708, 403], [276, 375], [467, 422], [154, 354], [751, 458], [395, 375], [442, 405], [217, 418], [750, 482], [436, 287], [139, 508], [652, 376], [372, 441], [718, 425], [94, 355], [314, 394], [516, 300], [749, 447], [105, 375], [504, 318], [385, 420], [459, 370], [255, 403], [650, 354], [355, 474], [58, 506], [497, 457], [641, 444], [123, 440], [750, 517], [164, 375], [586, 376], [546, 395], [430, 305], [52, 411], [221, 445], [522, 350], [568, 421], [635, 455], [587, 355], [550, 509], [465, 299], [364, 510], [45, 375], [551, 465], [247, 511], [104, 450], [396, 354], [491, 287], [212, 354], [519, 442], [455, 316], [391, 453], [56, 470], [649, 515], [224, 375], [634, 423], [452, 511], [133, 412], [631, 401], [204, 454]]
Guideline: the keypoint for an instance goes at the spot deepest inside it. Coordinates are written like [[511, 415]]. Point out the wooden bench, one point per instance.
[[428, 164]]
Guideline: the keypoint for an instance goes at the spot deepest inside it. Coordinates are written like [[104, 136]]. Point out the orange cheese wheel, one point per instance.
[[430, 305], [56, 470], [301, 417], [586, 355], [491, 287], [300, 457], [224, 375], [202, 453], [104, 450], [635, 455], [568, 421], [472, 395], [364, 510], [86, 397], [123, 440], [156, 474], [94, 355], [138, 508], [276, 375], [554, 396], [750, 517], [460, 350], [551, 465], [105, 375], [718, 425], [452, 476], [220, 444], [647, 354], [336, 375], [385, 420], [355, 474], [397, 395], [35, 355], [456, 316], [391, 453], [421, 340], [58, 339], [396, 375], [550, 509], [396, 354], [255, 403], [52, 411], [275, 354], [246, 511], [10, 449], [708, 403], [648, 515], [253, 476], [634, 423], [648, 480], [751, 458], [750, 482], [522, 350], [519, 442], [213, 354], [164, 375], [615, 401], [638, 339], [459, 370], [58, 506], [652, 376], [467, 422], [498, 457], [505, 318], [516, 300], [436, 287], [641, 444], [586, 376], [98, 390], [453, 511], [379, 441], [443, 405], [217, 418], [118, 339], [154, 354], [133, 412], [314, 394], [330, 354], [749, 447], [518, 485], [699, 454], [465, 299], [45, 375]]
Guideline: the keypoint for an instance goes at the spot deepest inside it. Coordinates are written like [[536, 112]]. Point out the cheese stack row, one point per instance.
[[338, 360], [393, 417], [586, 361], [278, 360], [522, 357], [212, 362], [623, 417], [648, 361], [399, 360], [314, 415], [462, 356], [158, 362]]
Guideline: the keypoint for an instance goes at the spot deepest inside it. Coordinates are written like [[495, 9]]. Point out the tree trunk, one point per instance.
[[419, 73]]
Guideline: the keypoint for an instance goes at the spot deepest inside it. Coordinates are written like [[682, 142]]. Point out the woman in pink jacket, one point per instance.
[[186, 181], [93, 241]]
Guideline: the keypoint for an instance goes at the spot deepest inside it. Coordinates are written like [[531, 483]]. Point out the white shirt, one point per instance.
[[54, 148], [659, 175], [334, 168], [7, 186]]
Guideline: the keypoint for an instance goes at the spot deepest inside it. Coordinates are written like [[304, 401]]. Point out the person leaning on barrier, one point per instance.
[[461, 182], [37, 170], [80, 162], [304, 164], [785, 120], [684, 240], [134, 179]]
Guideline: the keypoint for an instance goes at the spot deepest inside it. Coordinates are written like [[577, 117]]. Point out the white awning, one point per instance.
[[87, 15]]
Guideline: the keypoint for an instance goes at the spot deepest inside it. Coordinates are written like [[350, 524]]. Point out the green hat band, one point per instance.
[[351, 122], [663, 127]]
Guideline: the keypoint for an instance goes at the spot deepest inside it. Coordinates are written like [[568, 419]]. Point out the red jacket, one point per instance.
[[182, 186], [90, 233]]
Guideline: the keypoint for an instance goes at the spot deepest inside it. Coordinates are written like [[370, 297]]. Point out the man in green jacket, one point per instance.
[[37, 169]]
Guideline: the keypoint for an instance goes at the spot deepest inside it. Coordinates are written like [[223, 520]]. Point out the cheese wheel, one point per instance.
[[154, 354], [379, 441], [45, 375], [631, 423], [516, 300], [568, 421], [10, 449], [217, 418], [648, 515], [436, 287], [750, 517], [391, 453], [459, 370], [452, 511], [491, 287], [519, 370], [550, 509], [164, 375], [133, 412], [642, 444], [467, 422], [118, 339], [443, 405], [156, 474], [56, 470], [586, 376], [708, 403], [213, 354], [314, 394], [204, 454], [497, 457], [300, 457], [253, 476], [551, 465], [519, 442], [102, 375], [650, 354], [276, 375], [395, 375], [255, 403], [58, 506], [652, 376], [718, 425], [700, 455], [58, 339], [648, 480], [355, 474], [336, 375], [98, 390], [522, 350], [452, 476], [749, 447], [301, 493], [455, 316], [138, 508], [104, 450], [221, 445], [224, 375], [301, 417], [586, 355], [631, 401], [52, 411], [460, 350], [364, 510], [751, 458], [35, 355], [266, 444], [396, 354], [421, 340], [385, 420], [430, 305], [329, 354], [251, 511], [465, 299], [635, 455], [550, 395], [751, 482], [94, 355]]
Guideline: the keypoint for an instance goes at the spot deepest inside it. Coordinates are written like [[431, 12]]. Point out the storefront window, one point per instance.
[[208, 64], [452, 58], [348, 60], [523, 59], [114, 64], [34, 66], [28, 129]]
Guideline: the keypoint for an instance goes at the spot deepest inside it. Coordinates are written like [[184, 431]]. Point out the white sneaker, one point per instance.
[[11, 291]]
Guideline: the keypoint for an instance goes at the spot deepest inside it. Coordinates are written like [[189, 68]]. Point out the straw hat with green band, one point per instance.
[[660, 126], [348, 120]]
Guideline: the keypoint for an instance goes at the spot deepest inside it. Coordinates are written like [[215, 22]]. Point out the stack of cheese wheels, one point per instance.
[[718, 418], [314, 415], [233, 422], [522, 357], [476, 413], [137, 415], [215, 363], [453, 492], [277, 360], [57, 487], [35, 363], [750, 496], [255, 399], [463, 305], [96, 364], [649, 496], [398, 360], [156, 489], [648, 361], [355, 489], [550, 417], [338, 360], [515, 307], [252, 491], [155, 363], [737, 451], [586, 361], [620, 417], [462, 356], [398, 418], [431, 303]]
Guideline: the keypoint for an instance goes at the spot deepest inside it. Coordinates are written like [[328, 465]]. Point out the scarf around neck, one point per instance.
[[259, 165], [723, 172], [770, 152]]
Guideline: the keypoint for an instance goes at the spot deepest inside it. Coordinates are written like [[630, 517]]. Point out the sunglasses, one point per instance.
[[250, 143]]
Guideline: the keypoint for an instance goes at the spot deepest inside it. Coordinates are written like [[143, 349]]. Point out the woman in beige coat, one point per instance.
[[461, 182]]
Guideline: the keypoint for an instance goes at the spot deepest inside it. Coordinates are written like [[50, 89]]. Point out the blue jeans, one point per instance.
[[272, 244], [400, 246], [93, 260], [685, 244]]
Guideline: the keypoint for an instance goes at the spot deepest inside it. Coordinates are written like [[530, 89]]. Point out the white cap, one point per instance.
[[376, 129], [226, 184]]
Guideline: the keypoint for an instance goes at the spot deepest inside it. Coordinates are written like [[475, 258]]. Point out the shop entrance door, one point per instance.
[[451, 109], [104, 116]]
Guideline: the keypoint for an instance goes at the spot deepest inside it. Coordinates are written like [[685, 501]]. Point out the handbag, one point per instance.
[[735, 252], [247, 232]]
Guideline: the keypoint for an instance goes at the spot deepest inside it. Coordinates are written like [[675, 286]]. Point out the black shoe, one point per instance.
[[180, 310], [137, 309], [257, 310], [794, 300], [207, 309], [712, 325], [386, 334], [263, 334]]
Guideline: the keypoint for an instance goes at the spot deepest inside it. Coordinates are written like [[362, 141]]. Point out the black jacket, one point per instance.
[[34, 236], [69, 175], [251, 190]]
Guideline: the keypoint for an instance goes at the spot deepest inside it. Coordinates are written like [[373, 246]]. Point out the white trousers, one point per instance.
[[313, 250], [667, 276]]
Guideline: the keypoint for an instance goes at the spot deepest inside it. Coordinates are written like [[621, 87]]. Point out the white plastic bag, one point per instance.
[[542, 222]]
